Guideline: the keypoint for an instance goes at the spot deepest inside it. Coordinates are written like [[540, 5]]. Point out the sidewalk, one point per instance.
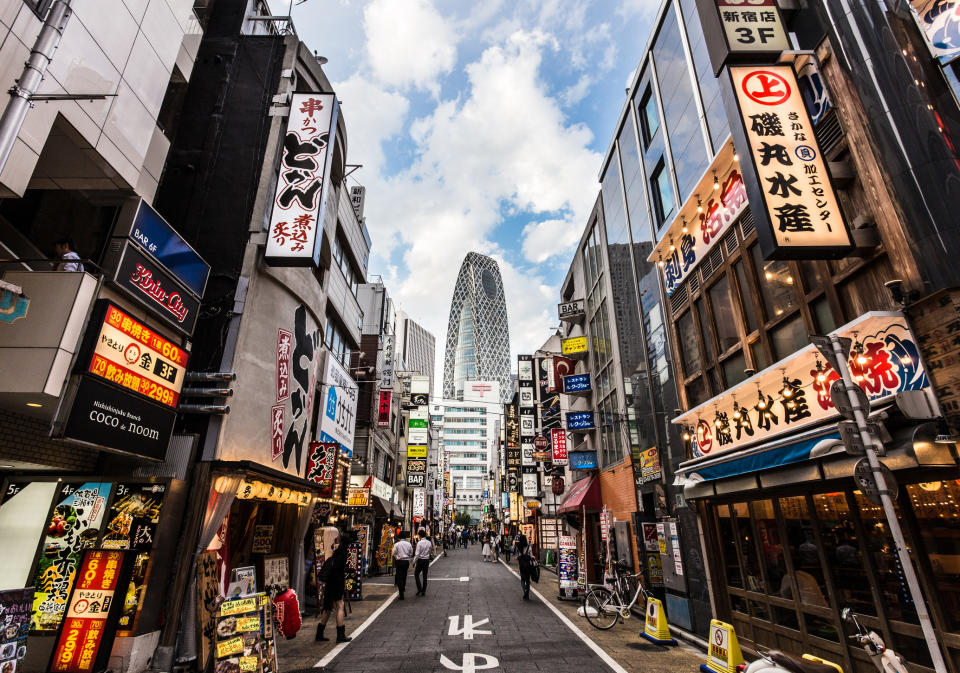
[[623, 641]]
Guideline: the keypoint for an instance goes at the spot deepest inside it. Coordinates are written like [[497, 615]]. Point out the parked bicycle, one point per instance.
[[604, 605]]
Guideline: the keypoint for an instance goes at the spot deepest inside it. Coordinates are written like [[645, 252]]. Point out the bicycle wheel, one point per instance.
[[600, 609]]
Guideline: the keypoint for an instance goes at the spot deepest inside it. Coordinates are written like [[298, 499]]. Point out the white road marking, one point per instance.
[[469, 629], [599, 651], [329, 656], [470, 662]]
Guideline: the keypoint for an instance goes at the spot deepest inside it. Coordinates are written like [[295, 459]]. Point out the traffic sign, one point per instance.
[[864, 478], [840, 396], [825, 345]]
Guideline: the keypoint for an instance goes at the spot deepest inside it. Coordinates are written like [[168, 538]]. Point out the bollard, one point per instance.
[[723, 652], [655, 627]]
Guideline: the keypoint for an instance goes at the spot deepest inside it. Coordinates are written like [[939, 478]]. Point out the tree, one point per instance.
[[461, 519]]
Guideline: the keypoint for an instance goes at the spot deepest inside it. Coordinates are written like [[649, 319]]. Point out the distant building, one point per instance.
[[416, 347], [478, 337]]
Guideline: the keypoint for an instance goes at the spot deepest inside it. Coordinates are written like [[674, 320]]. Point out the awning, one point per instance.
[[381, 507], [583, 493]]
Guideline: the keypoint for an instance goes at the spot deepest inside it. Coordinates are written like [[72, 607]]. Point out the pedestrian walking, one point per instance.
[[525, 561], [495, 544], [463, 536], [422, 556], [402, 555], [486, 552], [507, 545], [333, 573]]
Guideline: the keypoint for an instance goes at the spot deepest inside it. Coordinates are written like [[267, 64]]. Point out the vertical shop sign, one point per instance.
[[85, 638], [338, 414], [208, 591], [15, 606], [650, 465], [321, 466], [303, 184], [783, 169], [419, 502], [74, 526], [383, 408], [385, 550], [558, 439], [353, 583], [284, 349], [568, 562]]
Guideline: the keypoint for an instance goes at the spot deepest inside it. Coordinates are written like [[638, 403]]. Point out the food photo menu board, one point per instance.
[[245, 636]]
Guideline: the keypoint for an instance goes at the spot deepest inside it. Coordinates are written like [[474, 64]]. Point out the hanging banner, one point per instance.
[[383, 408], [322, 465], [650, 465], [303, 185], [419, 502], [558, 440], [353, 582], [794, 205], [559, 367]]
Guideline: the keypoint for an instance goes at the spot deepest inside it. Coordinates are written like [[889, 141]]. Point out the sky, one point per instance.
[[480, 126]]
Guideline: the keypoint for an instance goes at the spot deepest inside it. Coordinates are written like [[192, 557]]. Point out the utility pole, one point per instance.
[[836, 349], [29, 81]]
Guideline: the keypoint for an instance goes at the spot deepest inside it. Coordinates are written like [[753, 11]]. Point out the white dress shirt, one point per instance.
[[423, 549], [402, 551]]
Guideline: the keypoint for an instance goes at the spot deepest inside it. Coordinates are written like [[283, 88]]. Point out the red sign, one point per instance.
[[766, 88], [559, 439], [383, 408], [132, 355], [559, 367], [276, 431], [93, 594], [322, 465], [284, 343]]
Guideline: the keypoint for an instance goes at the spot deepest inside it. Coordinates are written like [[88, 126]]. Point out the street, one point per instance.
[[473, 619]]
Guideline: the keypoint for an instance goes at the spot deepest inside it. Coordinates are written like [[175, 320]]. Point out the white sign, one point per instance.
[[525, 370], [526, 457], [529, 485], [357, 195], [419, 502], [339, 415], [568, 542], [381, 489], [570, 310], [526, 397], [752, 26], [527, 426], [302, 187]]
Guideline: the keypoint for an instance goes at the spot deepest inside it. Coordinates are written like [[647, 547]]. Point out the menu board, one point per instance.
[[276, 573], [208, 590], [262, 539], [353, 585], [568, 562], [73, 526], [15, 605], [244, 636]]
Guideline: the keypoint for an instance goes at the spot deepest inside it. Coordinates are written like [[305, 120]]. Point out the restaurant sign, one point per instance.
[[794, 394], [578, 383], [571, 310], [796, 210], [580, 420], [150, 284], [574, 345]]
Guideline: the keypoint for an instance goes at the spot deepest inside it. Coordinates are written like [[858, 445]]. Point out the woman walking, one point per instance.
[[525, 561], [335, 579], [486, 552]]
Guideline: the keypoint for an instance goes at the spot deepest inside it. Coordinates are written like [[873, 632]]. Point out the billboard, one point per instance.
[[338, 414]]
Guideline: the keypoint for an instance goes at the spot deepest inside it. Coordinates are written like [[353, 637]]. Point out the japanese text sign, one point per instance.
[[321, 466], [795, 206], [574, 345], [577, 383], [580, 420], [794, 394], [302, 186], [558, 438], [132, 355], [90, 605], [338, 416], [752, 26], [383, 408]]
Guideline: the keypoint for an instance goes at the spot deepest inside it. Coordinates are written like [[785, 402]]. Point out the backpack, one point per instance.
[[323, 572]]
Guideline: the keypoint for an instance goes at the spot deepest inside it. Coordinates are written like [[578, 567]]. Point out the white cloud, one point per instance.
[[409, 43], [543, 240], [575, 93], [373, 115]]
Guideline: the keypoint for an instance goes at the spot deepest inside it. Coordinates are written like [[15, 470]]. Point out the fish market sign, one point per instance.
[[794, 394]]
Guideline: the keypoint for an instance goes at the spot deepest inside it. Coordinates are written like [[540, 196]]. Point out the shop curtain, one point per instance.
[[297, 579], [222, 495]]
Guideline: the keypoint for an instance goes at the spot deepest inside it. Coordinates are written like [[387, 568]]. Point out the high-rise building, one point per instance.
[[478, 338], [416, 347]]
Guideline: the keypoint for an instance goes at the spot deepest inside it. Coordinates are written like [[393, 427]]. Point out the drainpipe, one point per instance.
[[33, 71]]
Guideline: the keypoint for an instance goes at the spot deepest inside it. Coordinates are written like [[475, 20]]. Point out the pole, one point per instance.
[[33, 71], [556, 535], [892, 521]]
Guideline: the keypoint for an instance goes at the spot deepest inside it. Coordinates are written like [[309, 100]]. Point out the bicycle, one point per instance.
[[603, 606]]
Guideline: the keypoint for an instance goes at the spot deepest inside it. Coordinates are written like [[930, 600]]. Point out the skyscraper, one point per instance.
[[416, 347], [478, 338]]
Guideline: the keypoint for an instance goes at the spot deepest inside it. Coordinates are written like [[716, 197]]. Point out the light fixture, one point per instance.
[[736, 410], [684, 220], [736, 156], [716, 183], [821, 376], [789, 280], [672, 246], [787, 390], [762, 404], [660, 261], [35, 405], [699, 204], [686, 434]]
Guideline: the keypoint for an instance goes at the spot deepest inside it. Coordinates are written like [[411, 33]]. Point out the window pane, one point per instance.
[[935, 505], [776, 284], [843, 551], [724, 319], [688, 344], [705, 331], [662, 193], [811, 275], [760, 359], [649, 118], [789, 338], [823, 316], [733, 369], [746, 296], [729, 547], [751, 569], [696, 392]]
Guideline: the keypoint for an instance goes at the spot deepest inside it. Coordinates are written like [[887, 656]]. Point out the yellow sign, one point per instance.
[[723, 653], [227, 647], [238, 606], [245, 624], [655, 626], [574, 345], [358, 496], [803, 216], [249, 663], [416, 451]]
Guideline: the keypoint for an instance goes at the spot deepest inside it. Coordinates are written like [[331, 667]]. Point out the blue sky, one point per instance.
[[480, 126]]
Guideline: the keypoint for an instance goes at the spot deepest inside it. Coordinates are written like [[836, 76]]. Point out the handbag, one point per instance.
[[534, 568]]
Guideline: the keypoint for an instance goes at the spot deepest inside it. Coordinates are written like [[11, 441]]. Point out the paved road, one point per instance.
[[414, 634]]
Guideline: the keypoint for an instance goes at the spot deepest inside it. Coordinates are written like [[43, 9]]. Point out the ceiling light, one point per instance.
[[35, 405]]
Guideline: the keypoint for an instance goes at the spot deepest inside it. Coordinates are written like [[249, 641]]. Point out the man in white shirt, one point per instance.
[[65, 252], [402, 553], [422, 556]]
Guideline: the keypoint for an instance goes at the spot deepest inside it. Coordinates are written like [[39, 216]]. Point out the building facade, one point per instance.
[[478, 336]]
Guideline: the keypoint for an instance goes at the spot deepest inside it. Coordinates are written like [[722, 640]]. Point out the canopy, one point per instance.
[[583, 493]]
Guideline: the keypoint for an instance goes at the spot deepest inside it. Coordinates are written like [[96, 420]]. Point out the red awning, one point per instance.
[[584, 493]]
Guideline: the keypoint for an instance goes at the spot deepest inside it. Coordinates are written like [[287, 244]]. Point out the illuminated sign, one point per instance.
[[358, 496], [574, 345], [580, 420], [794, 394], [150, 284], [132, 355], [795, 207], [558, 439], [383, 408], [583, 460], [416, 451], [752, 26], [578, 383], [303, 185]]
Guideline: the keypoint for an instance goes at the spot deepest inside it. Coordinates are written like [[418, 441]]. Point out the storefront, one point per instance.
[[581, 508]]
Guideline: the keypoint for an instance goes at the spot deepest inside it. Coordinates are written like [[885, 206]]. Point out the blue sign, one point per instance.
[[152, 233], [583, 460], [486, 494], [576, 383], [580, 420]]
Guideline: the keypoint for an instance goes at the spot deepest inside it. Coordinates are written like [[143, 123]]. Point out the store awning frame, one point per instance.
[[584, 493]]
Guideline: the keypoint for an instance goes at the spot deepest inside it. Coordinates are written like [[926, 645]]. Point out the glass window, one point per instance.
[[843, 550], [733, 369], [776, 284], [789, 337], [662, 192], [760, 359], [746, 295], [935, 504], [696, 392], [823, 316], [728, 546], [724, 319], [615, 219], [751, 564], [705, 331], [812, 280], [688, 344], [649, 119]]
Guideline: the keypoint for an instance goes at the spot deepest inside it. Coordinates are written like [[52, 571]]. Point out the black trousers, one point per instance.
[[400, 578], [422, 567]]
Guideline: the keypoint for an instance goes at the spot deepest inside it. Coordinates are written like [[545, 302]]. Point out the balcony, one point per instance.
[[37, 349]]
